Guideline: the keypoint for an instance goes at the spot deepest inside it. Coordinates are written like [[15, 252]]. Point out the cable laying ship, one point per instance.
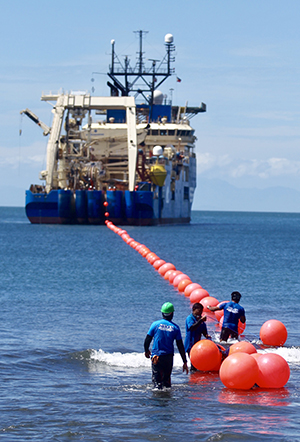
[[126, 158]]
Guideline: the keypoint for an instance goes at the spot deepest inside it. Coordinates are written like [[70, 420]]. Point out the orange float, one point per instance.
[[274, 371], [239, 371], [242, 346], [158, 263], [273, 333], [208, 300], [255, 355], [183, 284], [145, 252], [179, 278], [121, 232], [153, 258], [165, 267], [188, 290], [167, 274], [205, 355], [197, 295], [173, 275], [219, 314]]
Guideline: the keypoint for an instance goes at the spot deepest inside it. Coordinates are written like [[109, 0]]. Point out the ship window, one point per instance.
[[163, 132], [186, 173], [171, 132], [154, 132], [186, 195]]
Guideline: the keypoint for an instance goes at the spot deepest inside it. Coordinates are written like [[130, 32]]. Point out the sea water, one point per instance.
[[77, 302]]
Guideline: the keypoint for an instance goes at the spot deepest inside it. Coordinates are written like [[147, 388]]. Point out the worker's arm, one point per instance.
[[198, 323], [147, 343], [213, 309], [183, 355], [243, 319]]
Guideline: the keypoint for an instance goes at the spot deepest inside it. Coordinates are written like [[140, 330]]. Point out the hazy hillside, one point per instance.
[[213, 194]]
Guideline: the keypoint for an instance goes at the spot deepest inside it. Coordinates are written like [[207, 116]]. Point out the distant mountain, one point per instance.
[[214, 194]]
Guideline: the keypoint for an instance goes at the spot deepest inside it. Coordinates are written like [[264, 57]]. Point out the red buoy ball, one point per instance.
[[173, 275], [158, 263], [145, 252], [274, 371], [242, 346], [273, 333], [219, 314], [239, 371], [106, 214], [183, 284], [256, 356], [209, 300], [152, 257], [167, 274], [105, 204], [121, 231], [205, 355], [165, 267], [197, 295], [188, 290], [179, 278]]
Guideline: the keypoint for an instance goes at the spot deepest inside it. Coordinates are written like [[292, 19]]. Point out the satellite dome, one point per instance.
[[157, 151], [169, 38], [158, 97]]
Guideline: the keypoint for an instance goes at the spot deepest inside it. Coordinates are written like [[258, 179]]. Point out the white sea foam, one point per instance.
[[290, 354], [129, 360], [138, 360], [117, 359]]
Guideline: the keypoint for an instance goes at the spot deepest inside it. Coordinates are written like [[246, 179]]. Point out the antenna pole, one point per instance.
[[112, 56], [141, 53]]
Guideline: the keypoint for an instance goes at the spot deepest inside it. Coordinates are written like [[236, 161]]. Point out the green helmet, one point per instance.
[[167, 308]]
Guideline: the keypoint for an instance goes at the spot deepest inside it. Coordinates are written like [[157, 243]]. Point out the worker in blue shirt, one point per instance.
[[233, 312], [164, 332], [195, 327]]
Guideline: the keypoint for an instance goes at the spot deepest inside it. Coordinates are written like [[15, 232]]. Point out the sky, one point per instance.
[[240, 57]]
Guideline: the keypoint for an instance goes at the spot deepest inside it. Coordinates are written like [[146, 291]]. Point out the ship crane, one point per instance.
[[36, 120]]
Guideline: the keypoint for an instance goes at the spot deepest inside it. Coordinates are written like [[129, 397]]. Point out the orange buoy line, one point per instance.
[[272, 333], [243, 368], [167, 270]]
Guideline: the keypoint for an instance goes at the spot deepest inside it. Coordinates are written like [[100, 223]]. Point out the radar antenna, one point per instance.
[[125, 78]]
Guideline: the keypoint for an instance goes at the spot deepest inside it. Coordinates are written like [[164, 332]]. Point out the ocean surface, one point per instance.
[[77, 302]]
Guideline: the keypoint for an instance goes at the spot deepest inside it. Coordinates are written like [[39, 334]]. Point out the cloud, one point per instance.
[[226, 166], [13, 157]]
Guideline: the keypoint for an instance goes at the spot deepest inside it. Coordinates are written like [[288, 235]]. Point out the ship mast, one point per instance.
[[140, 80]]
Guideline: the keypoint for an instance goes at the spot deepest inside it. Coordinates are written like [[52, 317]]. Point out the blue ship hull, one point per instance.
[[87, 207]]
